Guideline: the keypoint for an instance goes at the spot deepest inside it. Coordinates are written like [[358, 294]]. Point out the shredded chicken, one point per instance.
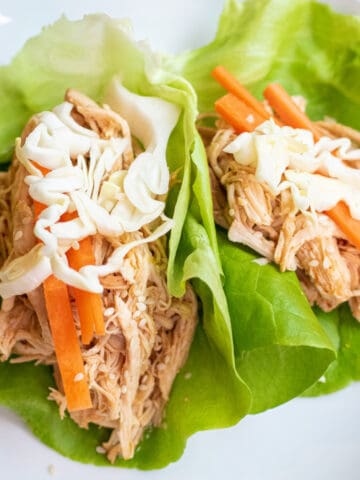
[[5, 215], [327, 265], [148, 332]]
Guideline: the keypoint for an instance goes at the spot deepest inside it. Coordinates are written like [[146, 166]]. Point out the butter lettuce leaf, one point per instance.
[[85, 55], [280, 347], [344, 331], [306, 46]]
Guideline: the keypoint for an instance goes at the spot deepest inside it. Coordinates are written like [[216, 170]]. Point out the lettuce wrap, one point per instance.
[[314, 52], [209, 392]]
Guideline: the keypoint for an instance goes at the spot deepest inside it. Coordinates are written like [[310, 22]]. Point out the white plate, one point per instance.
[[305, 439]]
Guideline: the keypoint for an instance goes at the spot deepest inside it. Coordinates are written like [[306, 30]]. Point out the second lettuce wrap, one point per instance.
[[280, 343]]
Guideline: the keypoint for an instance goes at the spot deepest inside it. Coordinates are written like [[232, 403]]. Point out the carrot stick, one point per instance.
[[340, 214], [67, 216], [66, 344], [287, 109], [232, 85], [42, 169], [38, 208], [67, 349], [239, 115], [89, 305]]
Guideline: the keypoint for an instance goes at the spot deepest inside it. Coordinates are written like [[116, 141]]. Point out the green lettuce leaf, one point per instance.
[[280, 347], [85, 55], [305, 45], [344, 332], [313, 52]]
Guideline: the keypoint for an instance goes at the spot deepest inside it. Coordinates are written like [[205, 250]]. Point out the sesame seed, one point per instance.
[[78, 377], [187, 375], [141, 306], [18, 235], [142, 323], [141, 298], [112, 376], [250, 118], [326, 263], [231, 212], [261, 261], [109, 311], [26, 220], [161, 367], [124, 389], [314, 263], [137, 314]]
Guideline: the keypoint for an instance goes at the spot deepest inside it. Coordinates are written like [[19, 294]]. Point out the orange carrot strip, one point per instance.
[[67, 348], [287, 109], [38, 208], [67, 216], [89, 305], [340, 214], [232, 85], [66, 345], [42, 169], [239, 115]]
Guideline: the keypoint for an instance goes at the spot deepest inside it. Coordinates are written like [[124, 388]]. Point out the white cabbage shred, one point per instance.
[[124, 201], [309, 167]]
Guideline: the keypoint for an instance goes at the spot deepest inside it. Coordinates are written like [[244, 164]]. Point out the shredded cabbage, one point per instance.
[[284, 151], [125, 202]]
